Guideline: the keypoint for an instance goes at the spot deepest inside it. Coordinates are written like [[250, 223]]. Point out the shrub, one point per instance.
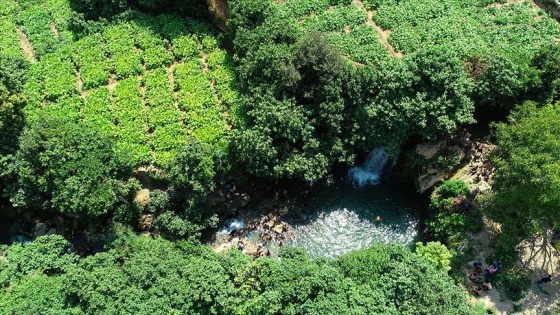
[[159, 201]]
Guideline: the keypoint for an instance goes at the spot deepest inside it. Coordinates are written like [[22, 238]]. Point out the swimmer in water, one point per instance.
[[379, 219]]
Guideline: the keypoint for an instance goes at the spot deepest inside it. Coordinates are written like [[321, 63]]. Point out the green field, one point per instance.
[[471, 28], [152, 81]]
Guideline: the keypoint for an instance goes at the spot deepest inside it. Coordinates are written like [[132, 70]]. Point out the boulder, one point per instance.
[[51, 232], [429, 179], [458, 152], [145, 222], [40, 229], [143, 197], [278, 228], [429, 149]]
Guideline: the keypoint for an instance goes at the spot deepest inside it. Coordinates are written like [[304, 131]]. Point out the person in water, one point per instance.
[[379, 219]]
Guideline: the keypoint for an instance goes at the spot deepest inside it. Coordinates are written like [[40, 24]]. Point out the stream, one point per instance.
[[351, 210]]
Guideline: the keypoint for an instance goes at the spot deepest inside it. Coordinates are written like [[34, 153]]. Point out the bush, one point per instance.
[[159, 201], [444, 194], [514, 283]]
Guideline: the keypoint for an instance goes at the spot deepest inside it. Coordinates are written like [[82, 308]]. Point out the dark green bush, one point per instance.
[[514, 283]]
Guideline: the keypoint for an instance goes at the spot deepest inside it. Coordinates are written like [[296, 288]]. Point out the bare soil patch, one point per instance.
[[112, 82], [55, 31], [540, 260], [25, 45]]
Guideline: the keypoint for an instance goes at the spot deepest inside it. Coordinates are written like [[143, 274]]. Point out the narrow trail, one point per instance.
[[383, 35], [54, 30], [25, 45], [112, 82], [171, 80]]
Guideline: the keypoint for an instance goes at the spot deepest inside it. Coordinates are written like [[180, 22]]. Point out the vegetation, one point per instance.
[[94, 93], [142, 275], [526, 192]]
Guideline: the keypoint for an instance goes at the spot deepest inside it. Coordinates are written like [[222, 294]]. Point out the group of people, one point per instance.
[[483, 283], [269, 228], [229, 190]]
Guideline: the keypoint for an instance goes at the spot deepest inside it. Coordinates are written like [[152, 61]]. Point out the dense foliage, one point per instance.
[[68, 167], [526, 196], [12, 101], [95, 92], [141, 275], [452, 214]]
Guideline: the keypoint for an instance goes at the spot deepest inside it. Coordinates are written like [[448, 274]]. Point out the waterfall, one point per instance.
[[370, 172], [231, 225]]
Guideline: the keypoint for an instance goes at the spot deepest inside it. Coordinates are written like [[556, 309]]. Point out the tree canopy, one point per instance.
[[67, 167], [527, 183], [142, 275]]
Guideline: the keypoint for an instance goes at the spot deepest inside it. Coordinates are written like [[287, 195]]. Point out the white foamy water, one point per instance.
[[370, 172], [231, 225], [341, 231]]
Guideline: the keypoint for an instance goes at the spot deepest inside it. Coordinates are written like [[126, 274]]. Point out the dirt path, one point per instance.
[[206, 70], [541, 261], [25, 45], [55, 31], [383, 35], [112, 82], [80, 84]]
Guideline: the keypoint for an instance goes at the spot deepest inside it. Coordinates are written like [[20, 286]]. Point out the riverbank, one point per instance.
[[346, 211]]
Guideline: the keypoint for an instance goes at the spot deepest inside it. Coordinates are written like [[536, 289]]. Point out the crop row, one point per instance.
[[97, 109], [164, 119], [469, 27], [90, 56], [301, 8], [33, 90], [59, 75], [125, 57], [222, 73], [61, 12], [36, 23], [8, 37], [203, 113], [129, 117], [345, 26], [361, 45], [336, 19], [516, 26], [8, 8], [67, 107]]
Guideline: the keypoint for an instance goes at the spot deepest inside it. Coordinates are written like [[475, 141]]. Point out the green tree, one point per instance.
[[192, 177], [527, 183], [436, 253], [451, 214], [12, 101], [402, 283], [68, 167], [547, 64]]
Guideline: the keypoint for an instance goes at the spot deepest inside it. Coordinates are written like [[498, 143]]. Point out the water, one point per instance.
[[370, 172], [231, 225], [356, 211], [341, 218]]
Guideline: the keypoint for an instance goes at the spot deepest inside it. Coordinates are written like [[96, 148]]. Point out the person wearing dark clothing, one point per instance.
[[546, 279]]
